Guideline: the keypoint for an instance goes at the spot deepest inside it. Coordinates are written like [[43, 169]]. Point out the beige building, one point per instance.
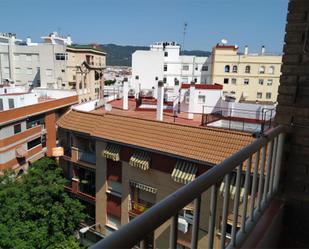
[[120, 172], [85, 65], [245, 76]]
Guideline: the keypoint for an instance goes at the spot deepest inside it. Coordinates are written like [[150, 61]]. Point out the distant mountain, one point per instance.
[[118, 55]]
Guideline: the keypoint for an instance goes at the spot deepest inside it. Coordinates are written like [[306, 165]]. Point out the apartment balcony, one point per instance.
[[138, 208], [250, 218], [85, 156]]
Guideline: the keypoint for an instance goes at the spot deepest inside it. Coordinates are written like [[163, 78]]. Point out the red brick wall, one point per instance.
[[293, 109]]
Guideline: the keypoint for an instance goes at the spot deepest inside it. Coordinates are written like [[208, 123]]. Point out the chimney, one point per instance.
[[160, 97], [176, 94], [246, 50], [191, 100], [263, 50], [125, 92]]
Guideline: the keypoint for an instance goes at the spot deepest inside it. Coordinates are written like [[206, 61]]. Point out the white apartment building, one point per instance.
[[30, 64], [164, 62]]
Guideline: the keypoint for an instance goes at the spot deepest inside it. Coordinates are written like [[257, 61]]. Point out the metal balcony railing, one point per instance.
[[260, 161], [86, 156]]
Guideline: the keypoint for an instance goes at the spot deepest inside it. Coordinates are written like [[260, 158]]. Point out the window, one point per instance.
[[11, 103], [62, 70], [28, 57], [184, 80], [34, 143], [6, 70], [234, 69], [196, 68], [29, 70], [271, 70], [1, 104], [165, 54], [114, 187], [195, 80], [234, 81], [35, 121], [261, 81], [17, 70], [165, 68], [185, 67], [156, 78], [17, 128], [269, 82], [227, 69], [262, 70], [246, 81], [61, 56], [204, 68], [164, 80], [247, 69], [226, 81], [113, 221], [136, 77], [259, 95], [201, 99], [49, 72], [268, 95]]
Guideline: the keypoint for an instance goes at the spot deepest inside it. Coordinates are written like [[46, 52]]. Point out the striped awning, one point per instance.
[[143, 187], [233, 187], [140, 159], [112, 151], [184, 172]]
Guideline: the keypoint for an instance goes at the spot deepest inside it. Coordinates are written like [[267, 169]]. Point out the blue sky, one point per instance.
[[142, 22]]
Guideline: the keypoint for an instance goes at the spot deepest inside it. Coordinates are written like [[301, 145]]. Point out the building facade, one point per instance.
[[245, 76], [121, 172], [28, 126], [164, 62], [53, 64]]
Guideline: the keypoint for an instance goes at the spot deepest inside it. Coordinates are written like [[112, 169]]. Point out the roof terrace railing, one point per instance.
[[260, 162]]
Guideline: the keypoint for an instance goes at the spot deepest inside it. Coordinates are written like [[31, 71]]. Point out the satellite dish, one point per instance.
[[224, 41], [108, 107]]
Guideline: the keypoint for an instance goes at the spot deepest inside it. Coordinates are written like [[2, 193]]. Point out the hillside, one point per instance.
[[118, 55]]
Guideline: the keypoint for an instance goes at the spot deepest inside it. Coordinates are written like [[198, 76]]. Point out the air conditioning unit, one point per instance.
[[182, 225]]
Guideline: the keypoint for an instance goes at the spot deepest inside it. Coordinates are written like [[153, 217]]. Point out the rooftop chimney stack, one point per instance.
[[246, 50], [191, 100], [125, 93], [160, 97], [263, 50]]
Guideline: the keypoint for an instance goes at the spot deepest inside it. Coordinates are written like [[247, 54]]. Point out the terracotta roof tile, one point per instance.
[[203, 144]]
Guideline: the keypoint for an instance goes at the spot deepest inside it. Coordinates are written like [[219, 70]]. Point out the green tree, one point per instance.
[[36, 212]]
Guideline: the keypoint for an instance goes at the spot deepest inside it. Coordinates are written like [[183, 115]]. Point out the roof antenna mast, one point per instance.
[[185, 25]]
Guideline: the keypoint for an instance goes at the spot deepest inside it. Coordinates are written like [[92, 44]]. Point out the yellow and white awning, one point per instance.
[[143, 187], [233, 187], [112, 151], [184, 172], [140, 159]]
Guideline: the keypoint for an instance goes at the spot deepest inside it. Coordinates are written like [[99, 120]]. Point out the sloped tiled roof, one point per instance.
[[201, 144]]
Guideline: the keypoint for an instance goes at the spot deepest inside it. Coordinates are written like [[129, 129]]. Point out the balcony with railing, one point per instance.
[[237, 216], [139, 207], [86, 156]]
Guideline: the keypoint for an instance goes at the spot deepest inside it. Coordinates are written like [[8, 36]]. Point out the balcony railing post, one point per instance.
[[212, 215], [174, 232], [261, 180], [268, 166], [281, 138], [196, 222], [254, 181], [272, 171], [225, 210]]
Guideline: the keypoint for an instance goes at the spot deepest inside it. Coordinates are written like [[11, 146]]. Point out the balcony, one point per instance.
[[138, 208], [86, 156], [260, 162]]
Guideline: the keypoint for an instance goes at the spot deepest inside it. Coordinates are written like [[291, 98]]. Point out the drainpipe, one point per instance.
[[191, 100], [160, 100], [125, 91]]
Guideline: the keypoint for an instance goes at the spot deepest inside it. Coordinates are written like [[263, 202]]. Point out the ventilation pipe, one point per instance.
[[160, 97], [125, 93], [246, 50], [191, 100], [263, 50]]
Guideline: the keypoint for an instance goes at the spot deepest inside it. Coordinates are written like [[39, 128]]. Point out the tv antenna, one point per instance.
[[185, 26]]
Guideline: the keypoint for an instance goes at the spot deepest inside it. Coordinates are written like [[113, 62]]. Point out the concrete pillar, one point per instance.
[[50, 124], [125, 92], [160, 100], [191, 101]]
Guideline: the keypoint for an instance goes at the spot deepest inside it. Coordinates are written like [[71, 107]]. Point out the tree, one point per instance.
[[36, 212]]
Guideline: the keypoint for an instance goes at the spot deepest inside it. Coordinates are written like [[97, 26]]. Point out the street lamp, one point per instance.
[[85, 229]]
